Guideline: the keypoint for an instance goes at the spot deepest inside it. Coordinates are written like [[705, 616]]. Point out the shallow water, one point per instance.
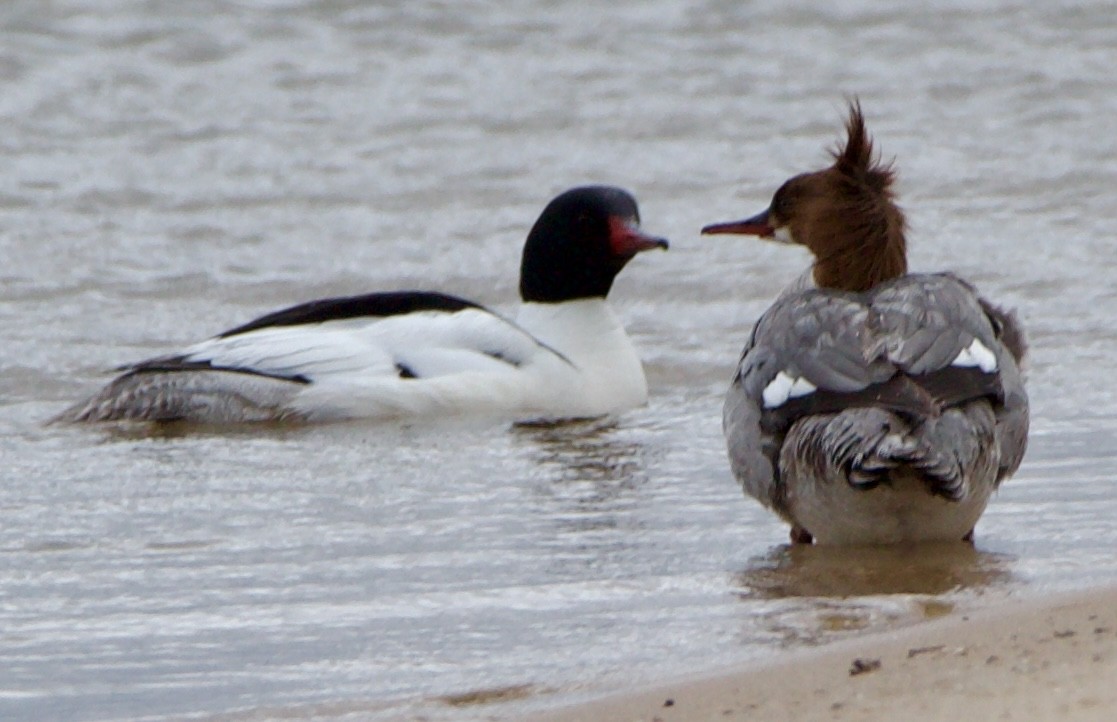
[[171, 170]]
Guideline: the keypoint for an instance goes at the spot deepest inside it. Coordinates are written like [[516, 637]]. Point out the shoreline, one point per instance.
[[1054, 657]]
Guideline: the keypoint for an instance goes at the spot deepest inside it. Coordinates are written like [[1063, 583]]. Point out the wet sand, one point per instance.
[[1048, 659]]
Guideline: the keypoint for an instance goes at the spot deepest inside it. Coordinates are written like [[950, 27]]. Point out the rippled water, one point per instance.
[[173, 169]]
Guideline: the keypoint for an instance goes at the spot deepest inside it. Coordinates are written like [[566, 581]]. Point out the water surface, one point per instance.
[[172, 170]]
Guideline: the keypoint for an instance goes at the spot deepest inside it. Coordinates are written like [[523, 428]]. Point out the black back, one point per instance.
[[372, 304]]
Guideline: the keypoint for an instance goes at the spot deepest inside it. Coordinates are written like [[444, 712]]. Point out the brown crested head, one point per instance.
[[845, 214]]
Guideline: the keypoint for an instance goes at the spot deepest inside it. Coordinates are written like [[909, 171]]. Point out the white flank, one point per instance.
[[976, 354], [581, 363]]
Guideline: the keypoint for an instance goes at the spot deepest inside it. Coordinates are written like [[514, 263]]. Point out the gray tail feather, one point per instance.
[[945, 451], [939, 469], [207, 396], [870, 446]]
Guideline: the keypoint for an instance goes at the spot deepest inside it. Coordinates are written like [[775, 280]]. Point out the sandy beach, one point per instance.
[[1049, 659]]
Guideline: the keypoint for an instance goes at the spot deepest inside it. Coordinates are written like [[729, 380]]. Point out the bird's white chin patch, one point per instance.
[[783, 235]]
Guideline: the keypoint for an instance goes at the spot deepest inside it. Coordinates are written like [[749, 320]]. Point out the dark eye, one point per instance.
[[584, 222], [781, 202], [789, 193]]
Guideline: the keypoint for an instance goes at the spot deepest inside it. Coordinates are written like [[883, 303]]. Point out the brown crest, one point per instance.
[[857, 159], [857, 233]]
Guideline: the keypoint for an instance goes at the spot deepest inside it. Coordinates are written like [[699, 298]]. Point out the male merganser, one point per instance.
[[871, 406], [418, 353]]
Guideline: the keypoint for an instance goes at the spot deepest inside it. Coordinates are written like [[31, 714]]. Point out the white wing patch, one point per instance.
[[428, 344], [976, 354], [784, 387]]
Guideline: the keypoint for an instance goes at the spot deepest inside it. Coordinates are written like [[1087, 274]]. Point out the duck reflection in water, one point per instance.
[[591, 454], [587, 485], [819, 571], [820, 592]]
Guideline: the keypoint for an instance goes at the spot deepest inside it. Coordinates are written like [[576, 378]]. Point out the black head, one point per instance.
[[581, 241]]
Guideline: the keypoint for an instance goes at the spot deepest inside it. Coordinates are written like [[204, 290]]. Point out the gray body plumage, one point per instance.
[[212, 396], [906, 409]]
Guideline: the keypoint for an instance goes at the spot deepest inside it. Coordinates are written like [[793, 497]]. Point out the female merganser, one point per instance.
[[417, 353], [871, 406]]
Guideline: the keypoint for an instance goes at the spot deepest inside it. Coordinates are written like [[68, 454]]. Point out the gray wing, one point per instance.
[[931, 323], [820, 337], [927, 320], [1012, 416], [907, 346]]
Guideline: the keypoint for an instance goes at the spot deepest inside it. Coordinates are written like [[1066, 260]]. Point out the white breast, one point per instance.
[[609, 375]]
